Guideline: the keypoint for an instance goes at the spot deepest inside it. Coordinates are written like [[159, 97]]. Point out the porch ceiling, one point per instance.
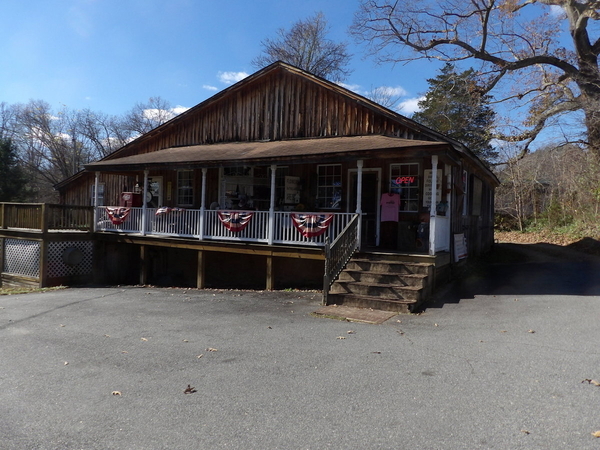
[[236, 153]]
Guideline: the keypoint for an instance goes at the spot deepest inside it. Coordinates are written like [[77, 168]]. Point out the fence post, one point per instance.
[[44, 218], [2, 212]]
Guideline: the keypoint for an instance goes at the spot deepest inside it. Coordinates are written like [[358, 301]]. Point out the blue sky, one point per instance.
[[108, 55]]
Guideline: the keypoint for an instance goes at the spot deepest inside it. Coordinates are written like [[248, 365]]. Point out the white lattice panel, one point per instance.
[[60, 265], [22, 257]]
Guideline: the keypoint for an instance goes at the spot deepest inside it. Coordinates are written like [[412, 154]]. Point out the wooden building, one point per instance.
[[279, 179]]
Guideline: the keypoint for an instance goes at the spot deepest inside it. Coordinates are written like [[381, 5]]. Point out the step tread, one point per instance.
[[384, 285], [395, 274], [394, 262], [374, 299]]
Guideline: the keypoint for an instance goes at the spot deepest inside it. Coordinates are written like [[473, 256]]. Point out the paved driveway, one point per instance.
[[494, 371]]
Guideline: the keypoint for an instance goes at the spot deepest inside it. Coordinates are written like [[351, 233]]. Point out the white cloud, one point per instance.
[[351, 87], [179, 109], [390, 91], [556, 10], [162, 115], [409, 106], [209, 87], [231, 77]]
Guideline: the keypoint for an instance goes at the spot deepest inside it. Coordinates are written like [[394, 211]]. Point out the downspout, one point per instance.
[[432, 208], [203, 203]]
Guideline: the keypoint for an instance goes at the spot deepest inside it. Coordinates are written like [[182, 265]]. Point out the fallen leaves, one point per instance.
[[596, 434], [341, 337], [190, 390], [210, 349], [116, 393], [590, 381]]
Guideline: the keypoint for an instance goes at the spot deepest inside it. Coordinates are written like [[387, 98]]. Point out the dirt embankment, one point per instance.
[[586, 245]]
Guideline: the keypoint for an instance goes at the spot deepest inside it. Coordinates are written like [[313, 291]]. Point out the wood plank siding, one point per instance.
[[277, 106]]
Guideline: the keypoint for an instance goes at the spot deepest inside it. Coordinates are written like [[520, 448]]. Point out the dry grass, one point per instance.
[[27, 290]]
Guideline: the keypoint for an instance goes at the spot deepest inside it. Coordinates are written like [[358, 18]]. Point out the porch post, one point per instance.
[[271, 230], [432, 208], [359, 173], [144, 207], [96, 185], [203, 203]]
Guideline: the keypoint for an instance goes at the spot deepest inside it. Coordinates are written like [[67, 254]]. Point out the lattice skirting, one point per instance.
[[22, 257], [70, 258]]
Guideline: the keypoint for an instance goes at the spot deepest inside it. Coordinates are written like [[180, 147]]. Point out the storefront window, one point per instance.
[[100, 194], [404, 180], [185, 187], [329, 186]]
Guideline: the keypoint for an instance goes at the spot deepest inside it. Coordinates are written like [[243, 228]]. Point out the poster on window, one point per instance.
[[292, 190], [427, 188]]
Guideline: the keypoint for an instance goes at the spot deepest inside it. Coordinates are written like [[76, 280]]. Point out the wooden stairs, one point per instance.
[[383, 281]]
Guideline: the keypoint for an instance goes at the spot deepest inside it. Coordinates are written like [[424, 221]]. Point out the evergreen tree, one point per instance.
[[12, 177], [456, 106]]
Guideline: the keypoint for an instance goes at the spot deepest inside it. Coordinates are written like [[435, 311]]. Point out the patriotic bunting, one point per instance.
[[311, 225], [166, 210], [117, 215], [235, 220]]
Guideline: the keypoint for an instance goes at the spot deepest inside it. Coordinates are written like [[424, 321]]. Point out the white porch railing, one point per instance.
[[186, 223]]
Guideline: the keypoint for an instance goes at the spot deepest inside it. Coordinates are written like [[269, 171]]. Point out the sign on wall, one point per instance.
[[428, 175]]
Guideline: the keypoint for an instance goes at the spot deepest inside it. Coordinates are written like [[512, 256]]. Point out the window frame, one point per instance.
[[414, 188], [101, 191], [185, 199], [332, 186]]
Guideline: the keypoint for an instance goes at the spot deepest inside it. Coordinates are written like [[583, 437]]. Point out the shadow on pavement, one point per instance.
[[526, 269]]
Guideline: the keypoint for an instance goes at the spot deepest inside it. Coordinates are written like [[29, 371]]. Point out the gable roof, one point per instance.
[[279, 103]]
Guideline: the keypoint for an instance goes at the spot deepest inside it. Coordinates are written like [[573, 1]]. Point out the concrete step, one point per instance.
[[382, 304], [386, 291], [402, 279]]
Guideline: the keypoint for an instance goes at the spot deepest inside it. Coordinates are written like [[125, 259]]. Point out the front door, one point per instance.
[[154, 196], [369, 204]]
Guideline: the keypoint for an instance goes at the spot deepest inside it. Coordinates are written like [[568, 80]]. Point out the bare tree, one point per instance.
[[144, 117], [519, 44], [104, 134], [306, 46]]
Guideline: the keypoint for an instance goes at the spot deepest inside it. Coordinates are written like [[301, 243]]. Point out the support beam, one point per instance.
[[359, 180], [201, 273], [144, 206], [432, 208], [271, 230], [96, 185], [270, 275], [203, 203], [143, 265]]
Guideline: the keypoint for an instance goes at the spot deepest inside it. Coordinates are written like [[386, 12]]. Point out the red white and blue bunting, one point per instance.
[[311, 225], [235, 221], [167, 210], [117, 215]]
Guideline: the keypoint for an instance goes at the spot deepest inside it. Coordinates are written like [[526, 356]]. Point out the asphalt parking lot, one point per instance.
[[108, 367]]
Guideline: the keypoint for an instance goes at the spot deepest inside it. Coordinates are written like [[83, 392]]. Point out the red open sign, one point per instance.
[[405, 180]]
